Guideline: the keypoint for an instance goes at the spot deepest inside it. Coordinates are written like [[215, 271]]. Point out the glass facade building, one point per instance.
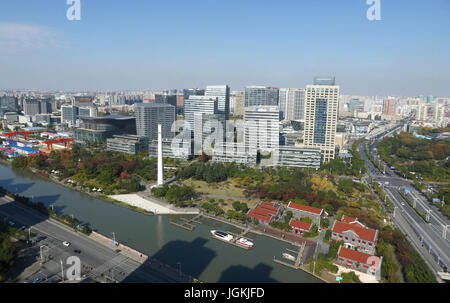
[[149, 115], [261, 95]]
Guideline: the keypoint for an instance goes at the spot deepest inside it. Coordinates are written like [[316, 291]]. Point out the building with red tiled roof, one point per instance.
[[351, 220], [265, 212], [300, 227], [354, 235], [360, 261], [300, 211]]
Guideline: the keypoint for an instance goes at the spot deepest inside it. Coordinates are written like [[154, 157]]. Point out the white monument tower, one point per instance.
[[160, 157]]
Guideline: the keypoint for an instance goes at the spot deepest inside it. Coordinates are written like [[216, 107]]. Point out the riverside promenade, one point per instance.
[[153, 204]]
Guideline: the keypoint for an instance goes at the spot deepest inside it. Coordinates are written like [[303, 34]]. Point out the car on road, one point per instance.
[[11, 223], [77, 251], [37, 280], [403, 204], [66, 244]]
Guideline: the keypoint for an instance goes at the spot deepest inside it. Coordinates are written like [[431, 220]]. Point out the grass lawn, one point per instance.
[[227, 204], [225, 188]]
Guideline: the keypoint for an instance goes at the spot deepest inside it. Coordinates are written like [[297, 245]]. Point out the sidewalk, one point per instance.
[[149, 263]]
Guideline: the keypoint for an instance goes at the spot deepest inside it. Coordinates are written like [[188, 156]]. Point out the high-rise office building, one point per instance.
[[321, 116], [201, 105], [45, 106], [356, 104], [31, 107], [166, 99], [282, 102], [69, 115], [237, 103], [8, 104], [209, 130], [292, 102], [149, 115], [262, 129], [261, 95], [222, 92], [389, 106]]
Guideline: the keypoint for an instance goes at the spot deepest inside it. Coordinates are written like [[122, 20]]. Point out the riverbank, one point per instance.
[[105, 198], [203, 257]]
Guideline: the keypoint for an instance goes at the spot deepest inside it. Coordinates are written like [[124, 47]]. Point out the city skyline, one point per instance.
[[131, 46]]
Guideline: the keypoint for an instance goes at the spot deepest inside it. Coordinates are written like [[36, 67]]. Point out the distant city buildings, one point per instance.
[[389, 107], [261, 95], [8, 104]]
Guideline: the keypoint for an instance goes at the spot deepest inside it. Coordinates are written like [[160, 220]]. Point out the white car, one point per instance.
[[66, 244], [403, 204]]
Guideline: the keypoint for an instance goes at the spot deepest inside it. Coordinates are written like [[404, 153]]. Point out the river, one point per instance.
[[197, 253]]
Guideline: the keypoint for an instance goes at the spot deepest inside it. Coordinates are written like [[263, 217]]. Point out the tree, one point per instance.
[[346, 186], [350, 277], [325, 222]]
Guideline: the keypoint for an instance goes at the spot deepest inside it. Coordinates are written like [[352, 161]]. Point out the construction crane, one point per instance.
[[66, 142], [11, 135]]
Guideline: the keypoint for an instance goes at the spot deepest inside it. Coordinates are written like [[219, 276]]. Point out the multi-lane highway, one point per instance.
[[429, 238], [98, 261]]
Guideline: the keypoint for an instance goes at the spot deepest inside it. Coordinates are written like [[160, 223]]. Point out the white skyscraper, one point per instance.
[[262, 127], [321, 116], [201, 105], [292, 102], [222, 92]]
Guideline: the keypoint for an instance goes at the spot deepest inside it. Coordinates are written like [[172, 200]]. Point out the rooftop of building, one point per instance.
[[358, 256], [362, 232], [299, 224], [152, 104], [305, 208]]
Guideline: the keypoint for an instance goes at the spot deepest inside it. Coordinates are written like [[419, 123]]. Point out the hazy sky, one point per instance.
[[166, 44]]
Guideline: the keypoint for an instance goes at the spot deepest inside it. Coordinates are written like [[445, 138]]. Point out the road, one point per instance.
[[98, 261], [427, 238]]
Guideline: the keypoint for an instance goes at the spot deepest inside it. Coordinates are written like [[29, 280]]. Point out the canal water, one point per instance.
[[196, 252]]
